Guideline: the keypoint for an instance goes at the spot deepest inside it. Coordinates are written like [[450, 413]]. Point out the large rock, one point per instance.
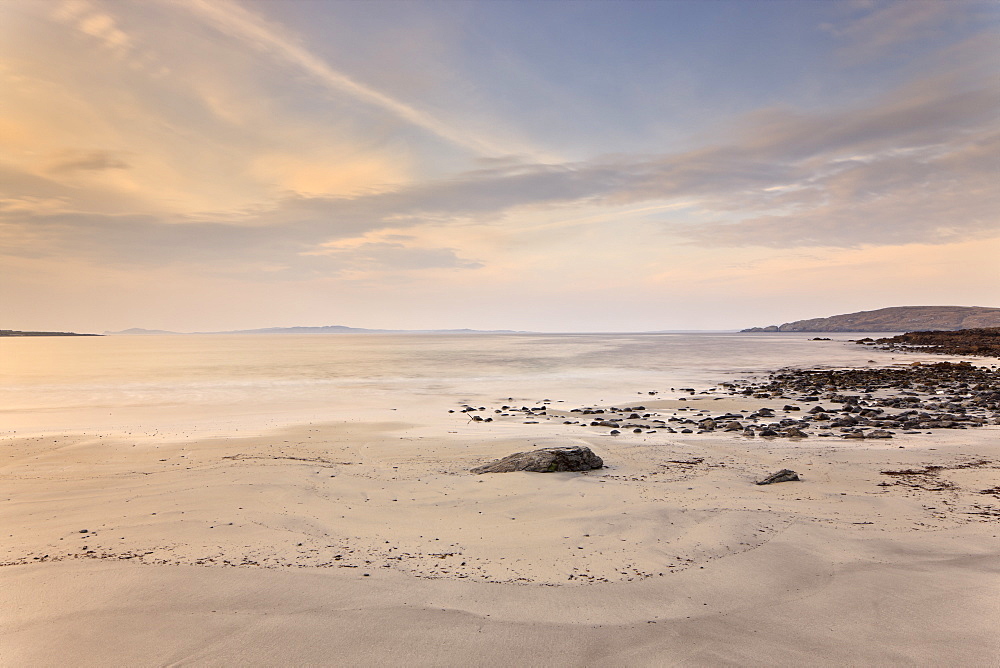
[[545, 460], [784, 475]]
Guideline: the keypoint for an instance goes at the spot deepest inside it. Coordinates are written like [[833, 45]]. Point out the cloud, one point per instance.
[[888, 200], [236, 21], [395, 257], [91, 21], [917, 165], [300, 248], [79, 160], [883, 26]]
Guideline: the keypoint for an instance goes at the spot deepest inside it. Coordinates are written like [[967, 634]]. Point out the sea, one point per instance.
[[188, 386]]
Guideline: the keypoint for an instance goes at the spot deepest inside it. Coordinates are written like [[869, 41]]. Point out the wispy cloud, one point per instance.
[[97, 24], [235, 20], [878, 27]]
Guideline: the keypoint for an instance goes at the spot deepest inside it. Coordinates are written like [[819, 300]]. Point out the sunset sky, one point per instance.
[[200, 165]]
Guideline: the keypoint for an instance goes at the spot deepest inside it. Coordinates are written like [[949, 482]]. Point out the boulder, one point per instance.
[[545, 460], [784, 475]]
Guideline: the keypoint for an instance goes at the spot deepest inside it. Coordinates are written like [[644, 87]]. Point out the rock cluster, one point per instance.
[[869, 403], [982, 342]]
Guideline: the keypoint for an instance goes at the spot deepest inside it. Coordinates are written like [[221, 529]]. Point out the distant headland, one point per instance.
[[896, 319], [14, 332]]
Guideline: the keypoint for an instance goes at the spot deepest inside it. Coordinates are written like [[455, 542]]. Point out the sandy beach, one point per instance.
[[369, 543]]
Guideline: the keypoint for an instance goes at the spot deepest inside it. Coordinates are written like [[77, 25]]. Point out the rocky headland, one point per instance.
[[896, 319], [14, 332]]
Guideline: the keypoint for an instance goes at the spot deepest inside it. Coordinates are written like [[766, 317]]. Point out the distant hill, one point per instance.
[[14, 332], [138, 331], [327, 329], [896, 319]]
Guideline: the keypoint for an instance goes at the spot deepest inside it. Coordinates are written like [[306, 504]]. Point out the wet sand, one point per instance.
[[371, 544]]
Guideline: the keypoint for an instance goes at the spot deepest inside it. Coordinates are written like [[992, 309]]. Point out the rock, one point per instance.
[[784, 475], [545, 460], [879, 433]]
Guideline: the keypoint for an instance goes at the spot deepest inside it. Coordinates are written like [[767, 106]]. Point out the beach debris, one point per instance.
[[784, 475], [928, 477], [545, 460]]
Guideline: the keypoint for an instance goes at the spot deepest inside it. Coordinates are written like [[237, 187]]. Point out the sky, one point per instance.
[[205, 165]]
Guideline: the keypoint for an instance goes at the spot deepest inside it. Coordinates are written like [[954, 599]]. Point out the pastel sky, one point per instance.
[[550, 166]]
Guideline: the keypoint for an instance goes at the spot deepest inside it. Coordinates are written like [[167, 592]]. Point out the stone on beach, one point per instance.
[[545, 460], [784, 475]]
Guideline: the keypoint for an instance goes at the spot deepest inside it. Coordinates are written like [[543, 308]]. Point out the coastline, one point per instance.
[[370, 543]]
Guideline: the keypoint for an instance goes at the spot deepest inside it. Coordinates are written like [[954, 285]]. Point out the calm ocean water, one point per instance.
[[211, 383]]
